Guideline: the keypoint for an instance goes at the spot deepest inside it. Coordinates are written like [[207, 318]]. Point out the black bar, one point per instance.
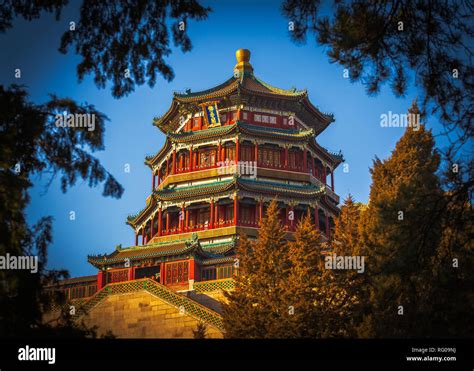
[[121, 352]]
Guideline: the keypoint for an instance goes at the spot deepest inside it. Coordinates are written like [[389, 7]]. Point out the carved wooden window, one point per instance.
[[208, 274], [246, 153], [229, 153], [225, 272], [77, 292], [168, 274], [293, 159], [92, 289], [177, 273], [229, 213], [247, 214], [207, 158], [117, 276]]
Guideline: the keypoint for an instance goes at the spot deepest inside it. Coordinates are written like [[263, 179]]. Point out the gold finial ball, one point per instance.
[[242, 55]]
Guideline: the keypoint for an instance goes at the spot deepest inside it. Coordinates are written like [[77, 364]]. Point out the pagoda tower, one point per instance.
[[229, 151]]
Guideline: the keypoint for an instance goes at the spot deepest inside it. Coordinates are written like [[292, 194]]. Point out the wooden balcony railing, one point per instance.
[[205, 167], [265, 165], [196, 227], [248, 223], [182, 170]]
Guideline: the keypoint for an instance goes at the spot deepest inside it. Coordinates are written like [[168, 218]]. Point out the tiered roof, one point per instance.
[[242, 86], [165, 250], [253, 131], [270, 188]]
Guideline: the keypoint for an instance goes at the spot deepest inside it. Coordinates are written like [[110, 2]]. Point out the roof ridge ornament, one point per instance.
[[243, 66], [193, 242]]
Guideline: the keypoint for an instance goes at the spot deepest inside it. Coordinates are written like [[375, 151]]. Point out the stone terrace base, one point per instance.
[[142, 315]]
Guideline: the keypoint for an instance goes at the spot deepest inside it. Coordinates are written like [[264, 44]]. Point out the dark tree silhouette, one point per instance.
[[32, 144], [433, 43], [391, 41], [257, 307], [28, 9], [122, 42]]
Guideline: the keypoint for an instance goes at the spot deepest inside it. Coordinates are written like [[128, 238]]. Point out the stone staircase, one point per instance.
[[183, 303]]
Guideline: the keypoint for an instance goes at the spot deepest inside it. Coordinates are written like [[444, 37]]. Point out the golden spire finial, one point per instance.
[[242, 55], [243, 62]]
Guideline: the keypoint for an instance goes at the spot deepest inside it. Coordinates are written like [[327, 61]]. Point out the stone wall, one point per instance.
[[142, 315]]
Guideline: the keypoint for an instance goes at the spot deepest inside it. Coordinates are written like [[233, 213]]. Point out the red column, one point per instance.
[[236, 210], [191, 159], [211, 221], [260, 210], [314, 166], [332, 180], [151, 227], [143, 235], [159, 177], [100, 280], [325, 175], [159, 221], [216, 221], [237, 150], [162, 273], [181, 165], [186, 225], [191, 269], [219, 152], [286, 215], [167, 221], [131, 275], [286, 157], [200, 123], [173, 166], [181, 219], [305, 160]]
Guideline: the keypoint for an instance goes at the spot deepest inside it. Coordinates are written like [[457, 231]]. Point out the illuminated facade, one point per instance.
[[229, 151]]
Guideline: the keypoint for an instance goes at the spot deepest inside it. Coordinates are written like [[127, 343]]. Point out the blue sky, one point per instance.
[[130, 136]]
